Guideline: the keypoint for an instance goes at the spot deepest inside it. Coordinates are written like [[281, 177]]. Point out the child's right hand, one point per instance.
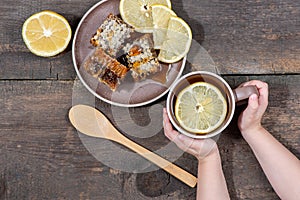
[[202, 149], [250, 119]]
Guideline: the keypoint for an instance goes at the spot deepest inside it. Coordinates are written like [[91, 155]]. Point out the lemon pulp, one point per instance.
[[177, 41], [137, 13], [161, 16], [200, 108], [46, 33]]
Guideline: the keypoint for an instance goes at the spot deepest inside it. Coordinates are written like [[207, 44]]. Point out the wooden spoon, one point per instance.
[[93, 123]]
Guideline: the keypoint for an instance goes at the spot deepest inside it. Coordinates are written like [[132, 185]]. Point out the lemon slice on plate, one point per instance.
[[177, 42], [46, 33], [200, 108], [137, 13], [161, 15]]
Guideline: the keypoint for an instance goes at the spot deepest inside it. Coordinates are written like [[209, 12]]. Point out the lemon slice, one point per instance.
[[46, 33], [137, 13], [161, 15], [200, 108], [177, 42]]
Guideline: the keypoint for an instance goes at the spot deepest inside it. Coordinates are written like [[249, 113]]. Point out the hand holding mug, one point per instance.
[[250, 119], [198, 148]]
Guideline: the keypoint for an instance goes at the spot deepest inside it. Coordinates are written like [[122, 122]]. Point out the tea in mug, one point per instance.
[[200, 108]]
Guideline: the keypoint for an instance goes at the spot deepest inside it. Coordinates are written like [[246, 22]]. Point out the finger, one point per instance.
[[185, 143], [259, 84], [252, 82], [198, 147], [168, 129], [252, 105], [263, 91], [192, 146], [264, 95], [174, 136], [203, 145]]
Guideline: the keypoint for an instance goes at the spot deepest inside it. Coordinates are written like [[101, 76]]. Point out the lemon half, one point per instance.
[[46, 33]]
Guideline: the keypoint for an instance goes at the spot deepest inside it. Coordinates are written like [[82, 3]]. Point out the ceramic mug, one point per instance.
[[232, 96]]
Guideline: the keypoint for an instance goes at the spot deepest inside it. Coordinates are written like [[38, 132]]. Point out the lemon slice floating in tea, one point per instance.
[[161, 16], [46, 33], [177, 42], [137, 13], [200, 108]]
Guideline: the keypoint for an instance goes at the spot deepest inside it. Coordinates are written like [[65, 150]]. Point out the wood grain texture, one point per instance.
[[42, 156], [246, 37], [242, 37]]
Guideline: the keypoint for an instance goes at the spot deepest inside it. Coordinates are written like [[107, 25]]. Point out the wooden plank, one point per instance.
[[27, 66], [242, 37], [246, 37], [43, 157]]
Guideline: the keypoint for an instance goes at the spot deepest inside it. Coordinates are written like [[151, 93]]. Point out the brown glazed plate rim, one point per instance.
[[129, 93]]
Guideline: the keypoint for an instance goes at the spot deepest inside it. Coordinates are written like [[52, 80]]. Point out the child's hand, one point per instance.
[[199, 148], [250, 119]]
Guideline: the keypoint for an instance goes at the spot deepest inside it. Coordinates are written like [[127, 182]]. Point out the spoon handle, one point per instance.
[[166, 165]]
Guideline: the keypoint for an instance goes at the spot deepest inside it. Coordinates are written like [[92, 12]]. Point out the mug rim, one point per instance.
[[183, 131]]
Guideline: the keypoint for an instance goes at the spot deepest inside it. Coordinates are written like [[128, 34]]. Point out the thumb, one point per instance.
[[252, 104]]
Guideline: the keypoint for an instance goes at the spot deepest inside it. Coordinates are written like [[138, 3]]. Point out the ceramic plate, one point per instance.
[[129, 93]]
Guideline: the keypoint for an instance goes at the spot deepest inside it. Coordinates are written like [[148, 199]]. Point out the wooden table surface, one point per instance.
[[43, 157]]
